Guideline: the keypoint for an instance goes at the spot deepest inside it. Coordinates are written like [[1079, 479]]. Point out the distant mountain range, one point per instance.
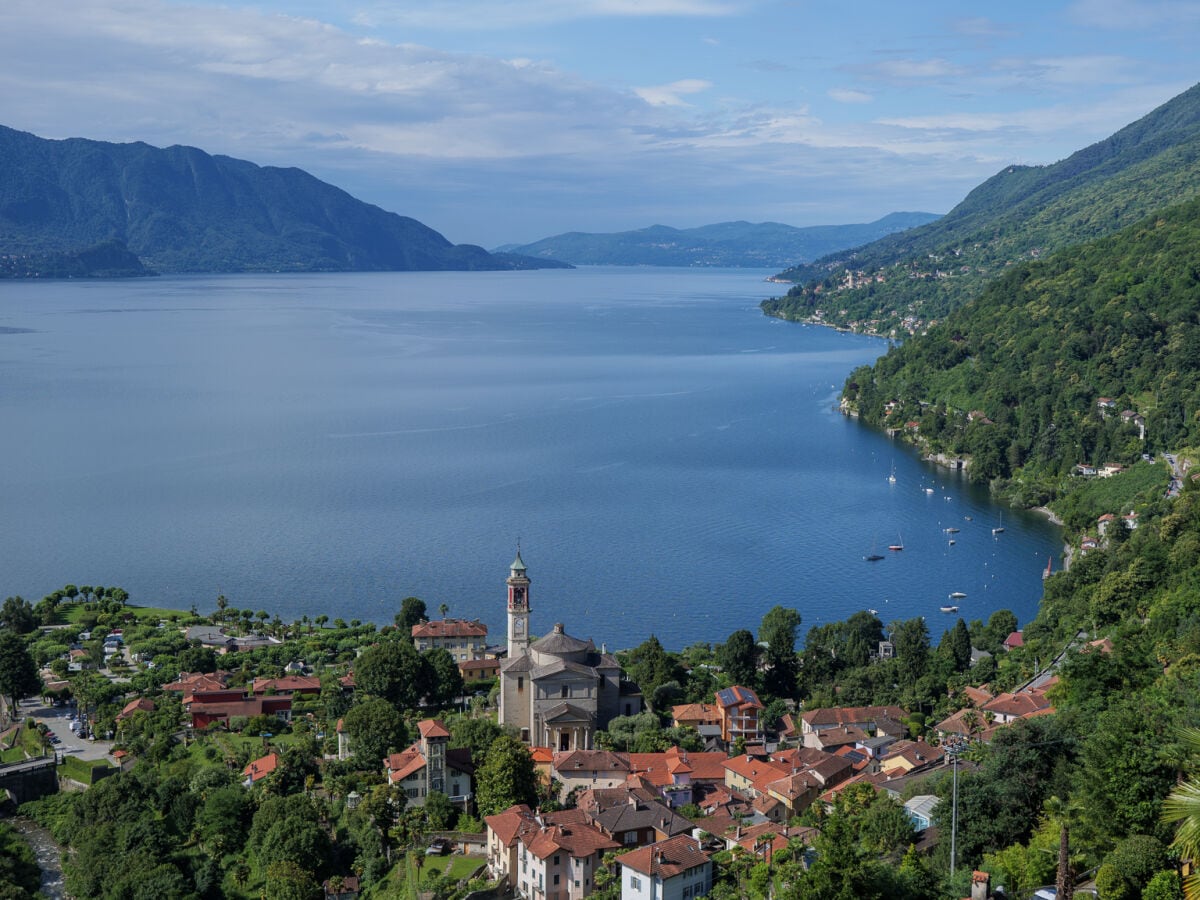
[[900, 282], [734, 244], [80, 207]]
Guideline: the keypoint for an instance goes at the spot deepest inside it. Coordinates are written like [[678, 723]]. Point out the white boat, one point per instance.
[[892, 476], [957, 595], [949, 609], [929, 490]]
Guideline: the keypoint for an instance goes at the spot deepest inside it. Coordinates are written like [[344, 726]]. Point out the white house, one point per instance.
[[674, 869]]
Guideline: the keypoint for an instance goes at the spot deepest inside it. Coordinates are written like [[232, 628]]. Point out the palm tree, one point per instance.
[[1183, 806], [1062, 811]]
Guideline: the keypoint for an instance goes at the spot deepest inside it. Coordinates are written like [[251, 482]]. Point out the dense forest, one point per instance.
[[1035, 354]]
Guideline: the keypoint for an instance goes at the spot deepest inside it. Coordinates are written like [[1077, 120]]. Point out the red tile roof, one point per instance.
[[450, 628], [262, 767], [666, 859], [850, 715], [432, 728]]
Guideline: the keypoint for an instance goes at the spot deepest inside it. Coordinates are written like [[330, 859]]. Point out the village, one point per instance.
[[666, 813]]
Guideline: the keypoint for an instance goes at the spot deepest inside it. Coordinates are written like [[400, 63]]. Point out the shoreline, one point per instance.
[[1049, 514]]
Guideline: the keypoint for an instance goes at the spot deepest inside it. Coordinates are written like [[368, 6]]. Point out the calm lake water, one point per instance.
[[669, 459]]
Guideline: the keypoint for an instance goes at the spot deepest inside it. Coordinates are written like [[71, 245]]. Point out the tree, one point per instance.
[[778, 632], [394, 671], [1183, 807], [412, 612], [222, 821], [375, 728], [17, 615], [959, 646], [506, 777], [18, 672], [474, 734], [738, 658], [444, 679], [650, 666]]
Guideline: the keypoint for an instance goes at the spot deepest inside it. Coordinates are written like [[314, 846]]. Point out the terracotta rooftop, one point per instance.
[[666, 859], [261, 767], [450, 628]]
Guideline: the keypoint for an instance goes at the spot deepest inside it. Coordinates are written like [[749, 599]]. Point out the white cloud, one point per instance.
[[849, 95], [980, 27], [916, 69], [489, 14], [672, 94]]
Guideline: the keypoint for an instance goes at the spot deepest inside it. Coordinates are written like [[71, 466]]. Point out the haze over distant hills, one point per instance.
[[733, 244], [1021, 213], [82, 207]]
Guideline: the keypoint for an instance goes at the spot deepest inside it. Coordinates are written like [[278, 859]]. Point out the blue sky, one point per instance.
[[501, 122]]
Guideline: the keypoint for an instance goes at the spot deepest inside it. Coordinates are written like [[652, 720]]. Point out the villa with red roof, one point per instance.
[[551, 855], [142, 704], [429, 765], [260, 768], [673, 869], [463, 639]]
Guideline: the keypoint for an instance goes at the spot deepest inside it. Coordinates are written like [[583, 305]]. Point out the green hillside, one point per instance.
[[182, 210], [733, 244], [1115, 318], [904, 281]]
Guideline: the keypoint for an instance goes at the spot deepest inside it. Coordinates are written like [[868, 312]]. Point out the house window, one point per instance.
[[556, 858], [556, 879], [635, 882], [631, 837], [520, 682], [566, 690]]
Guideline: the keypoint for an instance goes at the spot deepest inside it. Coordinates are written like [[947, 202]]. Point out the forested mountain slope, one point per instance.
[[907, 279], [1116, 318], [182, 210]]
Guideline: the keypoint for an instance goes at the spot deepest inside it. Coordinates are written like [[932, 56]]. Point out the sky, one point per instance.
[[505, 121]]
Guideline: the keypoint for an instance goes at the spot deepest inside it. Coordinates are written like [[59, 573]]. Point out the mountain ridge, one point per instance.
[[729, 244], [181, 209]]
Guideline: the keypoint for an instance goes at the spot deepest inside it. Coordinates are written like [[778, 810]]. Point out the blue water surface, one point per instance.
[[670, 460]]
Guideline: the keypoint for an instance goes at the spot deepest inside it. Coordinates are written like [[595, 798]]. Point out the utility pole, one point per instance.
[[953, 748]]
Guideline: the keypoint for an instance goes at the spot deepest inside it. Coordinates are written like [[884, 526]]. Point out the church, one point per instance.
[[557, 691]]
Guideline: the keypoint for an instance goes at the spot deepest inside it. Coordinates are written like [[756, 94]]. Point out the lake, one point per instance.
[[670, 460]]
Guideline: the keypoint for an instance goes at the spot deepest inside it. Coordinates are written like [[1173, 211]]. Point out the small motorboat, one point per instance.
[[949, 609]]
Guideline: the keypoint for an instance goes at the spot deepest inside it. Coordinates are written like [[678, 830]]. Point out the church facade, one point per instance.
[[557, 691]]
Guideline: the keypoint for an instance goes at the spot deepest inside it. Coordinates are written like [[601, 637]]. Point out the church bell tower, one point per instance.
[[518, 608]]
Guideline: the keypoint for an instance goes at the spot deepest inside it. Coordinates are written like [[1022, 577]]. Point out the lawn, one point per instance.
[[81, 770]]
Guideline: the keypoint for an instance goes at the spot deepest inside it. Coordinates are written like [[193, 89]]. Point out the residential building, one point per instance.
[[919, 810], [549, 857], [463, 639], [260, 768], [739, 709], [674, 869], [478, 669], [430, 765], [585, 769]]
